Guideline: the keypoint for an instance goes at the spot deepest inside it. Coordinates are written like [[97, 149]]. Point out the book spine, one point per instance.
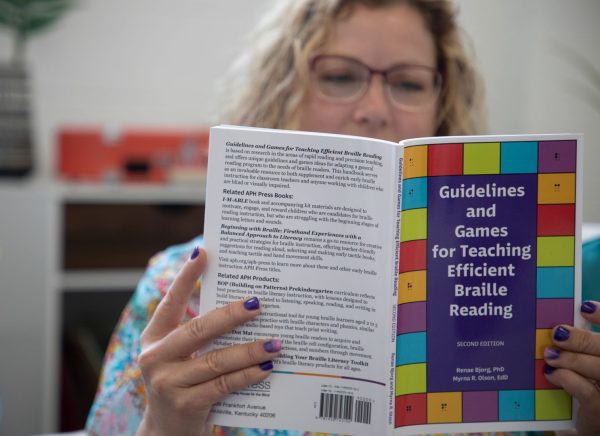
[[398, 161]]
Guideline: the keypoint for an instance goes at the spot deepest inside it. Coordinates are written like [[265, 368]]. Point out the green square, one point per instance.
[[411, 379], [552, 404], [413, 225], [482, 158], [555, 251]]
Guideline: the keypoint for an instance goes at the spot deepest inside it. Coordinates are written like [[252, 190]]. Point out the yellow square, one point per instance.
[[553, 404], [543, 339], [556, 251], [481, 158], [415, 162], [444, 407], [414, 225], [412, 286], [556, 188], [411, 379]]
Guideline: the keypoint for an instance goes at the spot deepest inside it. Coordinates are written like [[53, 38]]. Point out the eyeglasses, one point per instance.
[[346, 80]]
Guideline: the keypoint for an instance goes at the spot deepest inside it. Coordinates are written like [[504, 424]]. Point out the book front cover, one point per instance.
[[488, 266]]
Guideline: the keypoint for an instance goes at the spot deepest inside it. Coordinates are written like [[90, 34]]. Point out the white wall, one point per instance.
[[154, 62], [136, 62], [532, 85]]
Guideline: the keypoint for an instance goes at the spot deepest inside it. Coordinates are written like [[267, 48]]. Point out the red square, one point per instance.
[[445, 160], [556, 219], [540, 379], [413, 255], [411, 410]]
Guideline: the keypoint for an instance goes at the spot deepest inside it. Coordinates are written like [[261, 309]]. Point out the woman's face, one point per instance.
[[379, 38]]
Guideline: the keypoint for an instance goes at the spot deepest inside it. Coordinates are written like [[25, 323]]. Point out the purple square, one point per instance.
[[553, 311], [557, 156], [480, 406], [411, 317]]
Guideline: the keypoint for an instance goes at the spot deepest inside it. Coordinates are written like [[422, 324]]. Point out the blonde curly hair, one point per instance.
[[269, 84]]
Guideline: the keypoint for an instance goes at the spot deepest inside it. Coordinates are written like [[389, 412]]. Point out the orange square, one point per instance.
[[412, 286], [543, 339], [556, 188], [444, 407], [415, 162]]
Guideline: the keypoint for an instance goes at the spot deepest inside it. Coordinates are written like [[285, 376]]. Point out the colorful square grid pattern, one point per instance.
[[554, 162]]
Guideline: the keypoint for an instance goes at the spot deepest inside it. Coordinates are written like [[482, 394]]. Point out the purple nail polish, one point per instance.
[[272, 346], [266, 366], [561, 334], [195, 253], [588, 307], [551, 353], [549, 369], [252, 304]]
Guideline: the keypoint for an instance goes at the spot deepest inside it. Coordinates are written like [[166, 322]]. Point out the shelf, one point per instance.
[[130, 193], [101, 280]]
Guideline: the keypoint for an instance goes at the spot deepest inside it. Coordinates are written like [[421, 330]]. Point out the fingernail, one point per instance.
[[561, 334], [266, 366], [195, 253], [252, 304], [272, 346], [549, 369], [551, 353], [588, 307]]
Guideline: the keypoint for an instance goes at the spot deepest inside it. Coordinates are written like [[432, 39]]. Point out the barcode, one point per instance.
[[336, 406], [363, 412], [344, 408]]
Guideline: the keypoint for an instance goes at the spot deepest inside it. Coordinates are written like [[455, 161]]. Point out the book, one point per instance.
[[414, 285]]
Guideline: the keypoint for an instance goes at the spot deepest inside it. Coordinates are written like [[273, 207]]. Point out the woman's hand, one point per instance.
[[574, 364], [181, 386]]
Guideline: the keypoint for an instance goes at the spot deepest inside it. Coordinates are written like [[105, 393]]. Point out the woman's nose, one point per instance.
[[374, 108]]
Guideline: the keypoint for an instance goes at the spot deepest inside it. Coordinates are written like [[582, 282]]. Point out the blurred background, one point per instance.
[[137, 81]]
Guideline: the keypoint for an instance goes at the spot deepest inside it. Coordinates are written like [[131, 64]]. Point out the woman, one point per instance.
[[323, 65]]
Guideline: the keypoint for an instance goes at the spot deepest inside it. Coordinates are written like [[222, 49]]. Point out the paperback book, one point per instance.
[[414, 285]]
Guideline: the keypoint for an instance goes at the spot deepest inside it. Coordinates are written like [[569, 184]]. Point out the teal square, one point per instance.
[[518, 157], [555, 282], [516, 405], [411, 348], [414, 193]]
